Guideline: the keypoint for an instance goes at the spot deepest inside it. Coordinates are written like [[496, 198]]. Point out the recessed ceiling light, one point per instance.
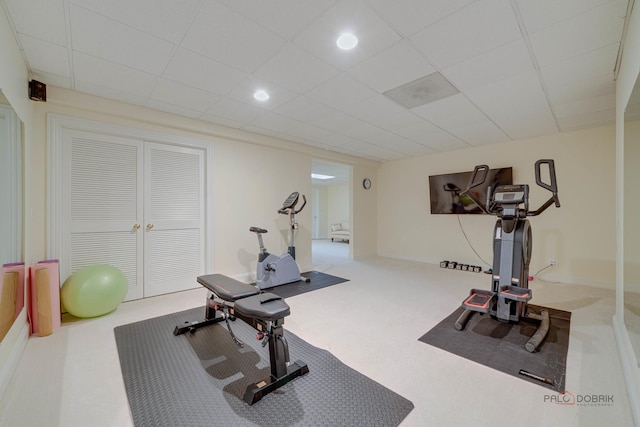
[[347, 41], [320, 176], [261, 95]]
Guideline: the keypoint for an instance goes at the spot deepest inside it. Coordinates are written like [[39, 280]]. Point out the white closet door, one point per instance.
[[102, 193], [174, 218]]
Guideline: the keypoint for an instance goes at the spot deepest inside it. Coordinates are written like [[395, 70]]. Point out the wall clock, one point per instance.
[[366, 183]]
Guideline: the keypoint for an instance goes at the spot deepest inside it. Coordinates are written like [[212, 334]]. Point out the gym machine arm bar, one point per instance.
[[473, 183], [552, 186]]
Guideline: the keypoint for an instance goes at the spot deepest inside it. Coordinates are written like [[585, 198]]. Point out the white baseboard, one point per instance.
[[629, 366]]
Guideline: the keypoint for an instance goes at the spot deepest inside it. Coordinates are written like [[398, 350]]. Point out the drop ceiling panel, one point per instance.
[[540, 14], [517, 105], [337, 121], [309, 71], [335, 140], [41, 19], [410, 148], [341, 91], [591, 30], [117, 94], [421, 132], [469, 32], [591, 64], [275, 122], [308, 132], [399, 144], [222, 34], [383, 154], [200, 72], [184, 96], [107, 77], [362, 131], [352, 16], [498, 64], [165, 19], [480, 133], [409, 16], [563, 91], [243, 92], [452, 112], [585, 106], [588, 120], [372, 109], [235, 111], [304, 109], [396, 65], [358, 145], [98, 36], [442, 141], [399, 120], [270, 14], [45, 56]]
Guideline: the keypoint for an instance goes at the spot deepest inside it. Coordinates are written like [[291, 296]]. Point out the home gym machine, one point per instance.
[[227, 299], [507, 300], [276, 270]]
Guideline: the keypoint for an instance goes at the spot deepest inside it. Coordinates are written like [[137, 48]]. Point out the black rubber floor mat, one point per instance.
[[317, 280], [500, 345], [199, 379]]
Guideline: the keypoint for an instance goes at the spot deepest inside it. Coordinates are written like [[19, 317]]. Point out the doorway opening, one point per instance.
[[331, 211]]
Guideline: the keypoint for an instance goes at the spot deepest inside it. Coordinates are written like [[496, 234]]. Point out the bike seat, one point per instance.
[[257, 230]]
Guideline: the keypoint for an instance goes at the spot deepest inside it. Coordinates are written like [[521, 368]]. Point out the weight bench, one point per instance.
[[227, 299]]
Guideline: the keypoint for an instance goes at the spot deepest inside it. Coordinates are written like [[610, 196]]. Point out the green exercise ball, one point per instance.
[[94, 290]]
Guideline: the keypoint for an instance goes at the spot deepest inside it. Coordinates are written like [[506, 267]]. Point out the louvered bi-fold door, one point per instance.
[[102, 195], [174, 218], [136, 205]]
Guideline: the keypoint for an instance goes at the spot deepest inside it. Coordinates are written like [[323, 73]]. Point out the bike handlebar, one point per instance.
[[291, 206]]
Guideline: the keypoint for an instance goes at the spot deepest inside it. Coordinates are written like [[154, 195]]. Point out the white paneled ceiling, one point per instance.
[[522, 68]]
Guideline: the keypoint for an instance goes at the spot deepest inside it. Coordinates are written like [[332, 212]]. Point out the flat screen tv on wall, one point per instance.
[[444, 191]]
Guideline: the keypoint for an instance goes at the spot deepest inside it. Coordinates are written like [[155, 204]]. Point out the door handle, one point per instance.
[[136, 226], [149, 226]]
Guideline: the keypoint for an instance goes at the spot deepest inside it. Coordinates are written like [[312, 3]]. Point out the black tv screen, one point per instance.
[[444, 191]]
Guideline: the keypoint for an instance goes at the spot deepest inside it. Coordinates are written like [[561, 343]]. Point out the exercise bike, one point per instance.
[[276, 270], [507, 300]]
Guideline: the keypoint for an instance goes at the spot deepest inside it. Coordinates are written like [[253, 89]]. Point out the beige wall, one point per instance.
[[364, 211], [580, 234]]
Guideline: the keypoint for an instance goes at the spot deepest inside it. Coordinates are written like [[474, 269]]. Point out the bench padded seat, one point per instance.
[[227, 288], [265, 306]]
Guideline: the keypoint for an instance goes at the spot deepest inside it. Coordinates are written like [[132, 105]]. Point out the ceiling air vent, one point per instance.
[[422, 91]]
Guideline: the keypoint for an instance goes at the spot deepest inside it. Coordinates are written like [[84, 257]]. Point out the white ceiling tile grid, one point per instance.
[[519, 68]]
